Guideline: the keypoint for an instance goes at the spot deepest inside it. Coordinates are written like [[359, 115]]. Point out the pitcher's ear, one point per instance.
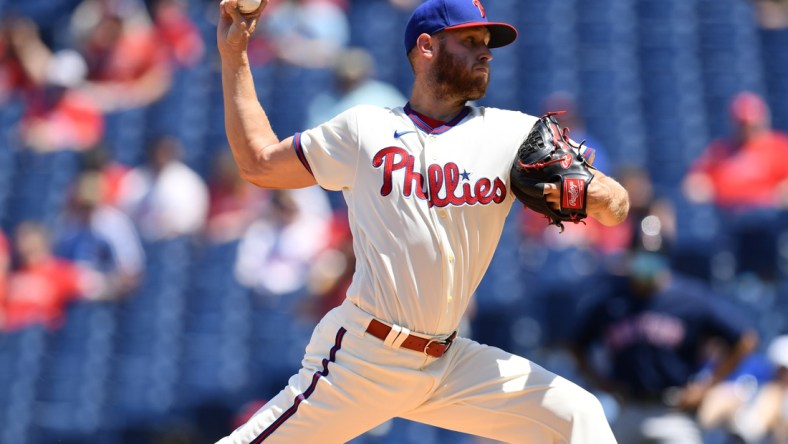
[[425, 44]]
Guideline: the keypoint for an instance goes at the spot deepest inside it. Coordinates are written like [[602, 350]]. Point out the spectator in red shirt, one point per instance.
[[177, 31], [128, 66], [58, 114], [42, 285], [747, 169]]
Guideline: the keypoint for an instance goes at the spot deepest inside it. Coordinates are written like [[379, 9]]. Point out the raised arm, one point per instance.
[[262, 158]]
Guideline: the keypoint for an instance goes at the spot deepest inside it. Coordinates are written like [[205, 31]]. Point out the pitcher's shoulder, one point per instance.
[[502, 119], [375, 111], [489, 112]]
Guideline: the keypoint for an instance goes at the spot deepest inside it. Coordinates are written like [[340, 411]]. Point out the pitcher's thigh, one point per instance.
[[492, 393], [325, 402]]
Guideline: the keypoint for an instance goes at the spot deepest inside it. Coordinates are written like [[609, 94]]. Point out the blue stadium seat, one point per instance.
[[377, 26], [185, 112], [545, 54], [607, 67], [72, 387], [295, 86], [40, 183], [145, 368], [729, 55], [125, 135], [26, 348], [776, 72], [672, 87]]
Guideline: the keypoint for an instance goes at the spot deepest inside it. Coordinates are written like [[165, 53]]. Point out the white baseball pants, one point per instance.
[[350, 382]]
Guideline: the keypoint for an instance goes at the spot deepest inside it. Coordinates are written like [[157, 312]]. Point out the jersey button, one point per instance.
[[442, 214], [451, 258]]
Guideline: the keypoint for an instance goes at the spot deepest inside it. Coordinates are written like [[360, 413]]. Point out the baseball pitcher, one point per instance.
[[428, 187]]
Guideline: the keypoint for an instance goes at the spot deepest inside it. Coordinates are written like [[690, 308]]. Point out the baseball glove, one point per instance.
[[548, 155]]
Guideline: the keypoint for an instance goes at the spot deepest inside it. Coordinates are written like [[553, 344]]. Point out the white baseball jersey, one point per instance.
[[426, 205]]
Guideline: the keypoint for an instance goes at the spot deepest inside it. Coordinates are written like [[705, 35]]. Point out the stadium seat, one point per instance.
[[26, 348], [776, 72]]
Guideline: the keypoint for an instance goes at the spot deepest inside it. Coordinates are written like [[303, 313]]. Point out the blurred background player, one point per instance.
[[652, 329]]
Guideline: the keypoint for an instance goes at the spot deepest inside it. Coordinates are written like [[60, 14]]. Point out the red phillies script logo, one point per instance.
[[443, 180], [478, 4]]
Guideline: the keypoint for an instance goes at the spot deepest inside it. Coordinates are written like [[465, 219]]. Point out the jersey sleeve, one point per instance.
[[330, 151]]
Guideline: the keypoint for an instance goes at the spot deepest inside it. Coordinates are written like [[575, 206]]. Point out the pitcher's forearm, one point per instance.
[[613, 205], [246, 124], [261, 157]]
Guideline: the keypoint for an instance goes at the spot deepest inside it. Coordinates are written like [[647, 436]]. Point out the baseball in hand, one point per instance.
[[248, 6]]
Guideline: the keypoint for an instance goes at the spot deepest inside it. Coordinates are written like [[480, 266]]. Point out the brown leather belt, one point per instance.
[[431, 347]]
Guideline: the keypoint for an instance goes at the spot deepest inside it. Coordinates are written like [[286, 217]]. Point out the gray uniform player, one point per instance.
[[427, 190]]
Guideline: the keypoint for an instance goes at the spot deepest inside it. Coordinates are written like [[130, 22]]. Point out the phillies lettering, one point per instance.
[[442, 182]]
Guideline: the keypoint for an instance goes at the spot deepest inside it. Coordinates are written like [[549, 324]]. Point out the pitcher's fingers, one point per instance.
[[552, 194], [223, 14], [224, 5], [550, 188], [231, 7], [253, 17], [257, 12], [253, 24]]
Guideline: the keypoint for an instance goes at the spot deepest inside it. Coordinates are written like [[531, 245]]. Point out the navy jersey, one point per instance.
[[656, 342]]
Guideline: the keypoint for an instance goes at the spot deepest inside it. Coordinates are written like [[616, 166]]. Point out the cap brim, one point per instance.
[[501, 34]]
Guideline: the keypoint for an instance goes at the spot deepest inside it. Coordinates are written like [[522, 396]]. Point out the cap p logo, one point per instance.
[[479, 6]]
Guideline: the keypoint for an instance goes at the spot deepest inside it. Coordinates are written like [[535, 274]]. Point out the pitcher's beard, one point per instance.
[[453, 81]]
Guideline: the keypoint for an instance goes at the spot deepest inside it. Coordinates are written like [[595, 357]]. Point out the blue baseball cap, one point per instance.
[[434, 16]]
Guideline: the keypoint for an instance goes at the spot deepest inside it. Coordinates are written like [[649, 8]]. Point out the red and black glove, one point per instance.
[[548, 155]]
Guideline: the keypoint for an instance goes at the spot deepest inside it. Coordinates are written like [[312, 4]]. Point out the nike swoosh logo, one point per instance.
[[398, 134]]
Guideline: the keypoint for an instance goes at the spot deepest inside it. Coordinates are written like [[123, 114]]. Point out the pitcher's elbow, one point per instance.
[[621, 211], [614, 214]]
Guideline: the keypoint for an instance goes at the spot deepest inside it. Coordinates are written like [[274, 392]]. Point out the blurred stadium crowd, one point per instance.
[[147, 295]]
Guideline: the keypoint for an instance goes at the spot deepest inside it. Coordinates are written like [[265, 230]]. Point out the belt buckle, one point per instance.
[[447, 343], [426, 347]]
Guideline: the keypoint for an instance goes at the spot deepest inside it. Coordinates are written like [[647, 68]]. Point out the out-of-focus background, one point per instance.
[[147, 295]]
